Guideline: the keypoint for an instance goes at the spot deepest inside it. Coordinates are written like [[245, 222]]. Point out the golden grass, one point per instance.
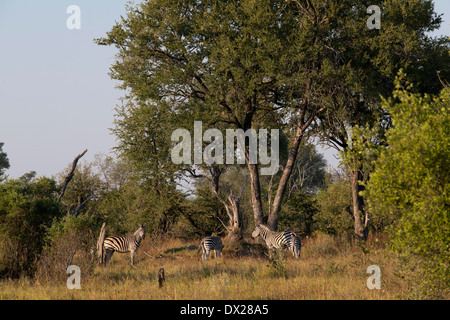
[[327, 269]]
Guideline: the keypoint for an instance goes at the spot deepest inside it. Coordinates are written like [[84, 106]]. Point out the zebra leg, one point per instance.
[[271, 251], [292, 250], [132, 257], [297, 252], [108, 255]]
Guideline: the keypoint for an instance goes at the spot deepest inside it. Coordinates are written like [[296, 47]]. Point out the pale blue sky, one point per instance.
[[56, 97]]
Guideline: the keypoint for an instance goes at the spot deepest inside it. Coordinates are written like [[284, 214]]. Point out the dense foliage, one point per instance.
[[409, 187]]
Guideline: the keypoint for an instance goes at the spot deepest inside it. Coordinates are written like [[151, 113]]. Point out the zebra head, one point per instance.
[[261, 231], [140, 232], [257, 231]]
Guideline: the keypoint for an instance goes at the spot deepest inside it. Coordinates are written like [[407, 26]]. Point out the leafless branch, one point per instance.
[[70, 175]]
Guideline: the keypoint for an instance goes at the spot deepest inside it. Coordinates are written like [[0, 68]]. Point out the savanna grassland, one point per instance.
[[329, 268]]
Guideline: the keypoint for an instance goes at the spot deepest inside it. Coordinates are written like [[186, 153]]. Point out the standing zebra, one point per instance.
[[211, 243], [276, 240], [123, 244]]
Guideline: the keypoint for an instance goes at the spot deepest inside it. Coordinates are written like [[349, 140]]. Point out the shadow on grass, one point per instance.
[[180, 249]]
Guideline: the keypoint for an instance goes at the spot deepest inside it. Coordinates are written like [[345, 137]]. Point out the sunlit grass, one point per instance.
[[327, 269]]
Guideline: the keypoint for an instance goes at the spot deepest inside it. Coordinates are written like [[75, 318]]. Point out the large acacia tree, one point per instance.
[[239, 64]]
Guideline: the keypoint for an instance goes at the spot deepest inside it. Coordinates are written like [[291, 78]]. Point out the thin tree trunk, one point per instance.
[[303, 123], [360, 226], [255, 191]]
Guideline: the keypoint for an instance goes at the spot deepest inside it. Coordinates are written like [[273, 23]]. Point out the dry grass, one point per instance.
[[329, 268]]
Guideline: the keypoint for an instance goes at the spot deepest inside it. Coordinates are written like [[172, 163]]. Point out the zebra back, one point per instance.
[[274, 239], [124, 244], [211, 243]]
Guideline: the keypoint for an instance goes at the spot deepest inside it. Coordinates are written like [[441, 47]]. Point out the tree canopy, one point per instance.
[[264, 64], [4, 162]]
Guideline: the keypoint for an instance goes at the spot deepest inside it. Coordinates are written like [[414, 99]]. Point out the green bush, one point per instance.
[[409, 188], [298, 213], [70, 241], [27, 209], [333, 203]]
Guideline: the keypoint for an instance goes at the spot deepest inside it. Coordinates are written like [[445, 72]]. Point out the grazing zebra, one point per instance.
[[276, 240], [123, 244], [211, 243]]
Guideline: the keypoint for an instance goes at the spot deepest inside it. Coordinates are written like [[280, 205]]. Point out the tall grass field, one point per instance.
[[329, 268]]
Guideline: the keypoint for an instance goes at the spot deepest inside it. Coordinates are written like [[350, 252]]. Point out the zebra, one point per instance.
[[208, 244], [276, 240], [123, 244]]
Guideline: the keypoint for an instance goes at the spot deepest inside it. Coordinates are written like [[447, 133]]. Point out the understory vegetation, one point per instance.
[[329, 268]]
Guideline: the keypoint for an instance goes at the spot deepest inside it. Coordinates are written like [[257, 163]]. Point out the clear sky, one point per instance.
[[56, 97]]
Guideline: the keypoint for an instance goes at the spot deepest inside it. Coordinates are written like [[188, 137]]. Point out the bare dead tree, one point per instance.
[[100, 240], [232, 207], [70, 175]]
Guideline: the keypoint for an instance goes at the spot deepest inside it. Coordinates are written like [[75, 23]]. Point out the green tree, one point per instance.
[[260, 64], [4, 162], [84, 186], [333, 203], [409, 186], [299, 213], [356, 122], [27, 209], [309, 172], [225, 63]]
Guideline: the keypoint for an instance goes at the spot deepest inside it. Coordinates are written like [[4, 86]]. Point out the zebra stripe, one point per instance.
[[296, 246], [211, 243], [277, 240], [123, 244]]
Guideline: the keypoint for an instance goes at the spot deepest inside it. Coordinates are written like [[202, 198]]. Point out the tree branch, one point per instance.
[[70, 175], [81, 206]]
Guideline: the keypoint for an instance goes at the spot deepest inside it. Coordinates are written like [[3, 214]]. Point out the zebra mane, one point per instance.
[[264, 230], [263, 227]]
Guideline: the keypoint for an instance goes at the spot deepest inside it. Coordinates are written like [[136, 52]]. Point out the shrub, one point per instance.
[[27, 208], [332, 203], [409, 188], [70, 241]]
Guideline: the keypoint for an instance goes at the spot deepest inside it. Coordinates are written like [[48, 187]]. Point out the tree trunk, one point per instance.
[[255, 191], [361, 227], [234, 229], [302, 124], [272, 221], [100, 240]]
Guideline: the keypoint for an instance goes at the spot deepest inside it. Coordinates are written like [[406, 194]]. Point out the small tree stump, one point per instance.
[[161, 278], [100, 240]]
